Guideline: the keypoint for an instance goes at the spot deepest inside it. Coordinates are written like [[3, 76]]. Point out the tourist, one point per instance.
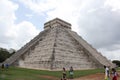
[[107, 73], [6, 65], [63, 74], [2, 66], [114, 74], [71, 72]]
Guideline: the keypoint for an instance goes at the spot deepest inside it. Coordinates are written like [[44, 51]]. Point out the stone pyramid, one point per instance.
[[57, 46]]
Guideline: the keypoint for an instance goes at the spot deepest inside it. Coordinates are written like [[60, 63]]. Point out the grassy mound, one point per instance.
[[14, 73]]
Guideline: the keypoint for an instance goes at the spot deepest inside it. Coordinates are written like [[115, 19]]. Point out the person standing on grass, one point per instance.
[[114, 74], [6, 65], [71, 72], [2, 66], [64, 74], [107, 73]]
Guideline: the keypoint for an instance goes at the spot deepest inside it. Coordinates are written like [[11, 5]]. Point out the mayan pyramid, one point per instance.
[[57, 46]]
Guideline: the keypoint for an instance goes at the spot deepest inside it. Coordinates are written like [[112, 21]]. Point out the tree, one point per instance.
[[4, 54], [117, 62]]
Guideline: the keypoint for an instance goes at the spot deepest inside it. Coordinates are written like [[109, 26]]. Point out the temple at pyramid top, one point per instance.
[[57, 23]]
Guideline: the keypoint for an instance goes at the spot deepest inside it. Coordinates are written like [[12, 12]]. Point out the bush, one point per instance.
[[117, 62]]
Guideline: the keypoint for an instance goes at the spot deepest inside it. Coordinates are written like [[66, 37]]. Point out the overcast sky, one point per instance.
[[97, 21]]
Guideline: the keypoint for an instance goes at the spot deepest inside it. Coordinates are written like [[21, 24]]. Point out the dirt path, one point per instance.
[[98, 76], [49, 77]]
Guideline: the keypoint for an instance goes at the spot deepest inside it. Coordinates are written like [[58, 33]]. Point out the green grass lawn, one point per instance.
[[14, 73]]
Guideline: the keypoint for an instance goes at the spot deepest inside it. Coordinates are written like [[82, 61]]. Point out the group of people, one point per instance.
[[64, 75], [4, 66], [113, 72]]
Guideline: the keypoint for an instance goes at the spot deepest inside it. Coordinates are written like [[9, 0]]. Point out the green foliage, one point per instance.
[[4, 54], [117, 62], [14, 73]]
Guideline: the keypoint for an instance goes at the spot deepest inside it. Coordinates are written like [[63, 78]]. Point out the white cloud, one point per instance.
[[114, 4], [114, 54], [53, 9], [69, 10], [22, 33], [39, 6], [7, 9], [7, 17], [13, 35]]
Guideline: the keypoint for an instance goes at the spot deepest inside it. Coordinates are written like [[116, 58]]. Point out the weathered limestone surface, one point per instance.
[[56, 47]]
